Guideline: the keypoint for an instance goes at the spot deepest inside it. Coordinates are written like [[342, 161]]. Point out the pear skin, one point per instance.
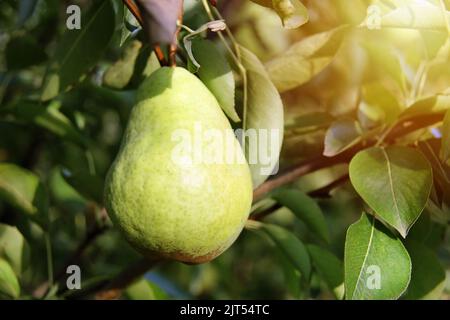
[[164, 204]]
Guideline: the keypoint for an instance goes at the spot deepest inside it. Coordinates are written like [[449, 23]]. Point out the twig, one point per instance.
[[48, 248], [294, 173], [88, 240], [112, 289], [91, 236], [261, 215], [320, 162], [173, 47], [134, 10]]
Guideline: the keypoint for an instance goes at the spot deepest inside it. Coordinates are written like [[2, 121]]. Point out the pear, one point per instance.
[[165, 201]]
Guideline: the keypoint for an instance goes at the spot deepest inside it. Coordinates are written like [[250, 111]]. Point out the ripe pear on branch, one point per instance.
[[166, 204]]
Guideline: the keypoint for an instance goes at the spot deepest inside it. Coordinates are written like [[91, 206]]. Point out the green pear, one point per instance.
[[166, 202]]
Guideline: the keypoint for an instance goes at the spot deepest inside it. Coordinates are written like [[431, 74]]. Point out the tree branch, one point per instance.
[[113, 289], [174, 46], [97, 230], [403, 128]]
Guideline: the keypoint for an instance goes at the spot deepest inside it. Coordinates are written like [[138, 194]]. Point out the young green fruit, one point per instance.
[[165, 205]]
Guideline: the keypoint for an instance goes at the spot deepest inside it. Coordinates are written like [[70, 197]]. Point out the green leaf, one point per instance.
[[305, 59], [264, 122], [26, 11], [416, 15], [146, 63], [14, 248], [395, 182], [384, 60], [441, 171], [378, 105], [79, 50], [309, 122], [304, 208], [438, 104], [342, 135], [445, 148], [329, 267], [427, 231], [292, 277], [436, 44], [88, 185], [216, 74], [49, 117], [428, 276], [377, 265], [9, 285], [140, 290], [128, 24], [289, 245], [119, 74], [23, 190], [23, 52], [292, 13]]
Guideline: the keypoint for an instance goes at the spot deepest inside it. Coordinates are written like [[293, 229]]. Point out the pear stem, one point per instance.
[[174, 46]]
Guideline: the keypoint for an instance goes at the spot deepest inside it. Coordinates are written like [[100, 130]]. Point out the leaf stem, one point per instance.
[[48, 248], [236, 57]]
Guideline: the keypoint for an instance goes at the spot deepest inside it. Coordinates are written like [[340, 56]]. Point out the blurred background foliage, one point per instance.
[[57, 143]]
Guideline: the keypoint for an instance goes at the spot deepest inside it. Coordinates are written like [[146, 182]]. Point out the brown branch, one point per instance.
[[97, 230], [88, 240], [264, 213], [403, 128], [113, 289], [159, 54], [136, 12], [293, 174], [174, 45]]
